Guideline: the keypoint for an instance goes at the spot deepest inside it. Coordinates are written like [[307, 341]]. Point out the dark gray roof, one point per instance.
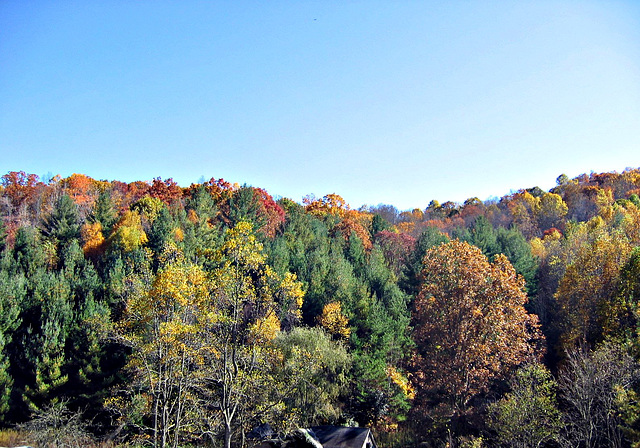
[[342, 436]]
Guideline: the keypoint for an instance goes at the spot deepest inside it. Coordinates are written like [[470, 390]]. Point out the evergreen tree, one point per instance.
[[27, 255], [160, 230], [513, 244], [63, 224], [45, 348], [3, 236], [244, 206], [84, 348], [483, 236], [378, 224], [12, 294], [430, 237], [200, 226], [104, 212]]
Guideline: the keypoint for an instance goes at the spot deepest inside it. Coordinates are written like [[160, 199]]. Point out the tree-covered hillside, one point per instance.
[[148, 313]]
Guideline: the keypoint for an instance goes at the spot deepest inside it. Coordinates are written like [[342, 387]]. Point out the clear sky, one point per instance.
[[395, 102]]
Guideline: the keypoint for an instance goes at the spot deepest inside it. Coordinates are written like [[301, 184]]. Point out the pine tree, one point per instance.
[[63, 224], [12, 294], [104, 212]]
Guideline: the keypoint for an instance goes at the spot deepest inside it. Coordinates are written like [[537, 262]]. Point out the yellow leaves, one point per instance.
[[148, 207], [589, 282], [178, 234], [332, 204], [551, 204], [241, 246], [93, 239], [334, 321], [537, 248], [180, 284], [265, 329], [173, 309], [630, 222], [179, 339], [596, 223], [414, 216], [128, 233], [292, 292], [402, 382], [604, 197]]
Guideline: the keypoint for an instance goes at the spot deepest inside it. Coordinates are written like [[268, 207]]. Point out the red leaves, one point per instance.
[[167, 191], [272, 213], [19, 186]]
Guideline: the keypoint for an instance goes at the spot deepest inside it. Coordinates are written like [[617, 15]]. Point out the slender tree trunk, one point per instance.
[[227, 434]]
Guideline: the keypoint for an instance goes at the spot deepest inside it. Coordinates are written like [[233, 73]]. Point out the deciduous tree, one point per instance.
[[470, 326], [527, 416], [592, 385], [311, 377], [244, 296], [588, 284], [164, 328], [334, 321]]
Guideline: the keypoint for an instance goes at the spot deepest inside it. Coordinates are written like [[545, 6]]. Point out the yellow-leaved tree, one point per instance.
[[203, 342], [334, 321], [251, 301], [163, 327]]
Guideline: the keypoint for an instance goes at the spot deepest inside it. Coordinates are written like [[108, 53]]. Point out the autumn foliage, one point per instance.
[[470, 325], [163, 315]]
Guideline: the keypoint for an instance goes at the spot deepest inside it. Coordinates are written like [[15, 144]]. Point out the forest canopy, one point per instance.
[[148, 313]]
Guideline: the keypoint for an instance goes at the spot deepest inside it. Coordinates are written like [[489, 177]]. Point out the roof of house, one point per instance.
[[343, 436]]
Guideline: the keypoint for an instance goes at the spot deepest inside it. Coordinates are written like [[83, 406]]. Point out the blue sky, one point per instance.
[[396, 102]]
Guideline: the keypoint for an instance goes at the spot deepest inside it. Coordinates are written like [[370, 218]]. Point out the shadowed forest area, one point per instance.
[[148, 314]]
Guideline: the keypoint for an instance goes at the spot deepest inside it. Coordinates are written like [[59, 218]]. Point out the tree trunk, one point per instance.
[[227, 435]]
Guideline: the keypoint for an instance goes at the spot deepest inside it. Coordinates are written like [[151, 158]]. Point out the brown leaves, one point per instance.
[[470, 325]]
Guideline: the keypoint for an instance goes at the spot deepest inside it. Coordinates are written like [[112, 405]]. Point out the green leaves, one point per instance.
[[528, 416], [63, 224]]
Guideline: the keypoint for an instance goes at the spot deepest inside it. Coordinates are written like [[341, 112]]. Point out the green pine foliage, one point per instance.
[[63, 224], [66, 282]]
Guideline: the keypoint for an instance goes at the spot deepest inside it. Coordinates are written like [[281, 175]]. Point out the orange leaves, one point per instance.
[[167, 191], [348, 221], [470, 322], [93, 238], [21, 191], [349, 225], [330, 204], [82, 189], [19, 186], [219, 189]]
